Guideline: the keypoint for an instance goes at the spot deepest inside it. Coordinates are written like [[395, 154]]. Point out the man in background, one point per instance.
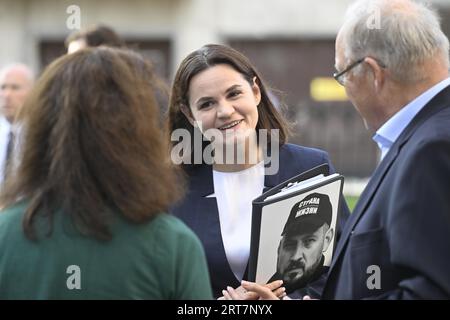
[[16, 81], [93, 37]]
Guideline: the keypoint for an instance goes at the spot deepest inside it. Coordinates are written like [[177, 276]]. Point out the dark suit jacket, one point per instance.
[[201, 213], [402, 220]]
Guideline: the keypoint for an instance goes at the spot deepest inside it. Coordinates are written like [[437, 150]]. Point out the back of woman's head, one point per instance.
[[92, 143]]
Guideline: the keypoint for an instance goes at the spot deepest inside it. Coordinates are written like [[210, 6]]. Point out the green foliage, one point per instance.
[[351, 202]]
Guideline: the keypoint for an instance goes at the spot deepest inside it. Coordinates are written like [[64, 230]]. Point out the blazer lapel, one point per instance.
[[203, 180], [364, 201], [271, 181]]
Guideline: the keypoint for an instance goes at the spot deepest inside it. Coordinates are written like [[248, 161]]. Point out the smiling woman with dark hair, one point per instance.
[[218, 94], [90, 190]]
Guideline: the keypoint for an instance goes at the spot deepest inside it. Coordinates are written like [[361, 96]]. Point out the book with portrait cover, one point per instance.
[[294, 229]]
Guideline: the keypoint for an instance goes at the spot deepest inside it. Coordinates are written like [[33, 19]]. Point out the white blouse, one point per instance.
[[235, 192]]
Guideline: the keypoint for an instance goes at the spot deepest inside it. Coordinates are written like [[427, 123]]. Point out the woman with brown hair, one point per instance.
[[219, 95], [84, 211]]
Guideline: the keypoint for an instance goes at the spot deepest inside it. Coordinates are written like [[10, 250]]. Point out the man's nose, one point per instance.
[[298, 253], [225, 109]]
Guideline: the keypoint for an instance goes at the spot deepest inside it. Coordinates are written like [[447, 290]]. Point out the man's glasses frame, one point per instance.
[[338, 75]]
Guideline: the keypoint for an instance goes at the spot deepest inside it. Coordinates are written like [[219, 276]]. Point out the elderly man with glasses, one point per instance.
[[396, 244]]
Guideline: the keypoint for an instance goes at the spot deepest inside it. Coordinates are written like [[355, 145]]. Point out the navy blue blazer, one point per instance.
[[401, 223], [202, 216]]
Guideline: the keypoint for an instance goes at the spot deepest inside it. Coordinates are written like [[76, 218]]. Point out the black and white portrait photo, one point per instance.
[[297, 237]]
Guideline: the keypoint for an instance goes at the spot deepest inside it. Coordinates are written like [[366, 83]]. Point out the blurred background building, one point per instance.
[[291, 42]]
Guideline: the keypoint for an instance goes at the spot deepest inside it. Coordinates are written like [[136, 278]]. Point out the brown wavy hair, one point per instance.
[[206, 57], [93, 144]]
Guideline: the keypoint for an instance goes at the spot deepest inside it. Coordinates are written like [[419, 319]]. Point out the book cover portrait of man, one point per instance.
[[306, 235]]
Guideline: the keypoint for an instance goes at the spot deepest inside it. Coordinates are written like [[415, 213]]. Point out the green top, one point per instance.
[[162, 259]]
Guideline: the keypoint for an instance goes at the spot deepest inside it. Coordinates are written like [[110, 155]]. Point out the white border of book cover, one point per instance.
[[273, 219]]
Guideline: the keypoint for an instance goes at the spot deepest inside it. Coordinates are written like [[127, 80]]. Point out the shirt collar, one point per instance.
[[388, 133], [4, 123]]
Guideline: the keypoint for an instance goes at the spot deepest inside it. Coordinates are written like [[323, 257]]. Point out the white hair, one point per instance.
[[29, 74], [401, 34]]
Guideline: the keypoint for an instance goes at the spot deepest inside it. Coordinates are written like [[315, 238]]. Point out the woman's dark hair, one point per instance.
[[206, 57], [96, 36], [93, 144]]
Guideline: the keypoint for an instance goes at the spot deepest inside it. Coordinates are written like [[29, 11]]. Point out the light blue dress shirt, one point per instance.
[[391, 129]]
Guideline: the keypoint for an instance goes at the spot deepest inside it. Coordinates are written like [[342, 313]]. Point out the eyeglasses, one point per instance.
[[338, 75]]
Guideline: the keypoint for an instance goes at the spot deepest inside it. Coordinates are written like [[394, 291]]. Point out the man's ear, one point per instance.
[[328, 239], [279, 255], [378, 72], [188, 114], [279, 247]]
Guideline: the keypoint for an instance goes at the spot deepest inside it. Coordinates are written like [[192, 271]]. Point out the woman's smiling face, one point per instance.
[[221, 98]]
